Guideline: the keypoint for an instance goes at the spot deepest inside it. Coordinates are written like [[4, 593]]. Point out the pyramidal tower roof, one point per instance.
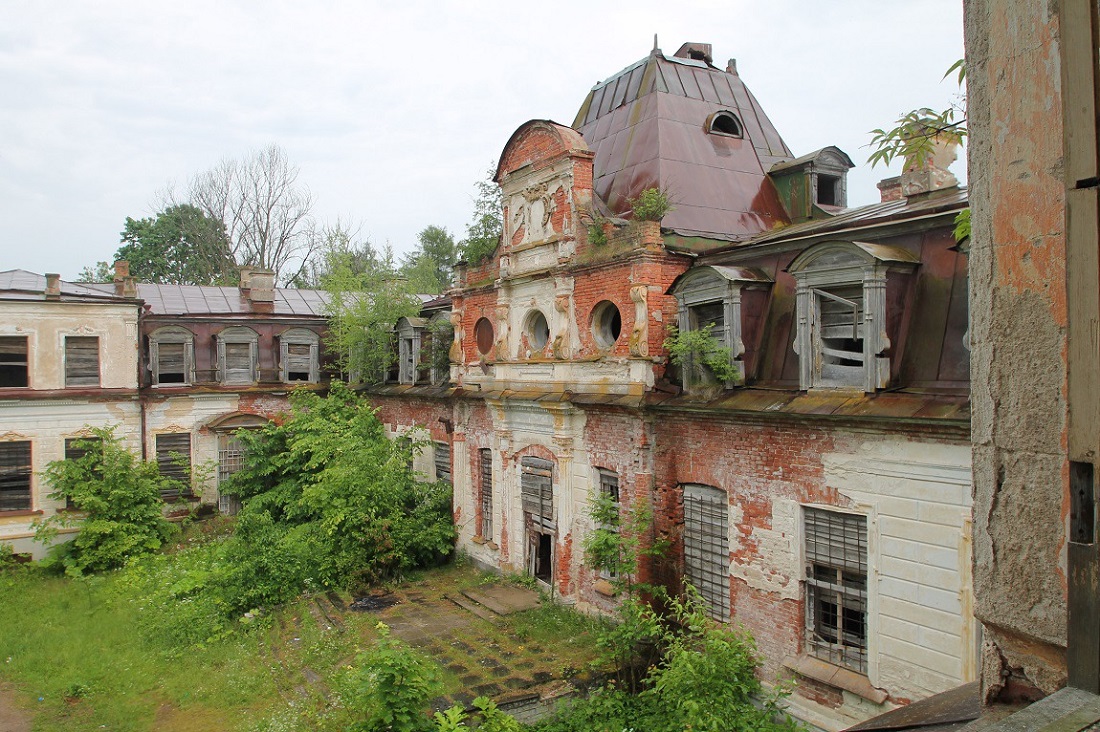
[[683, 125]]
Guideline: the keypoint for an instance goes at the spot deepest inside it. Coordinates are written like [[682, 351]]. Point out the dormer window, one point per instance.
[[299, 351], [238, 355], [841, 337], [172, 356], [710, 299], [725, 123]]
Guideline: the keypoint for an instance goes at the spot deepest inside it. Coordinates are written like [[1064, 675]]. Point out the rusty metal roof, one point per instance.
[[648, 128], [869, 216], [202, 300], [948, 710], [19, 284]]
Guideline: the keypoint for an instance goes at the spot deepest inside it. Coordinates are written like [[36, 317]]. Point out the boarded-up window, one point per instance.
[[13, 361], [230, 452], [171, 356], [299, 351], [238, 355], [442, 461], [81, 361], [174, 461], [15, 476], [836, 587], [75, 449], [706, 546], [486, 457], [537, 490]]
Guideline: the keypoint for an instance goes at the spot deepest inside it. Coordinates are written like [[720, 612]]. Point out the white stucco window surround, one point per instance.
[[712, 296], [299, 356], [841, 331], [172, 356], [238, 355]]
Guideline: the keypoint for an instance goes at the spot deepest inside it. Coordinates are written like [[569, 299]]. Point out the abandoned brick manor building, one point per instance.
[[821, 495]]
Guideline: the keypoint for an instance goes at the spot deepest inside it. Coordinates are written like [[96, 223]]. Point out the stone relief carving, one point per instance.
[[639, 336], [533, 209], [502, 331]]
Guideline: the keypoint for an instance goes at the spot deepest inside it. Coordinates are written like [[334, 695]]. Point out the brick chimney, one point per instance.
[[124, 283], [53, 286], [890, 189]]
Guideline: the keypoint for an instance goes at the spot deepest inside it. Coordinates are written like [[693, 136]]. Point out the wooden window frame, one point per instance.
[[169, 468], [172, 335]]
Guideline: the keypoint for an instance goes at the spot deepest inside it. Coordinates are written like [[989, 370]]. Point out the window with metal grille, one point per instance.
[[706, 547], [299, 349], [174, 461], [486, 457], [75, 449], [838, 337], [13, 361], [609, 486], [537, 490], [81, 361], [15, 476], [836, 587], [442, 461], [230, 452]]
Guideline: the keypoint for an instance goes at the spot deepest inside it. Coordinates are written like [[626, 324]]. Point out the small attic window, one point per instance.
[[828, 190], [725, 123]]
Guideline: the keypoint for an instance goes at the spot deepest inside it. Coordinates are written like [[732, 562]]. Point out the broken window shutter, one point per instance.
[[536, 488], [15, 476]]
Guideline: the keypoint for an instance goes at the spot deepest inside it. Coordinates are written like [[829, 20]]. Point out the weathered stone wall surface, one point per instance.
[[1018, 332]]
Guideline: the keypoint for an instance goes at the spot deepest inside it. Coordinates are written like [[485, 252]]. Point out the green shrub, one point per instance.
[[701, 348], [651, 204], [391, 687], [118, 495]]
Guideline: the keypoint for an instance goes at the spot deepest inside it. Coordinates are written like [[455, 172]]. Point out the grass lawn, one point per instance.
[[72, 653]]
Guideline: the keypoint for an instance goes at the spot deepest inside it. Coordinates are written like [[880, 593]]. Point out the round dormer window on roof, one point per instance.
[[725, 123]]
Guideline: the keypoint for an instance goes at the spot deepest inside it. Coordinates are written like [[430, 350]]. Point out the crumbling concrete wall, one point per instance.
[[1018, 331]]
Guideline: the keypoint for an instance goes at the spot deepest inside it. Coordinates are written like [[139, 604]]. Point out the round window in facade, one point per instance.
[[483, 335], [607, 324], [537, 330]]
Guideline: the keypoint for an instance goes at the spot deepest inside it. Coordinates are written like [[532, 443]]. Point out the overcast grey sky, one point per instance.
[[393, 110]]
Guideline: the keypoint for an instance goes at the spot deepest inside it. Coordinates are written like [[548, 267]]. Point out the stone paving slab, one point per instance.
[[504, 599]]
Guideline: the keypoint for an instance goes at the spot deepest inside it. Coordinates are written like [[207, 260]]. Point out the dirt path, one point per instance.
[[12, 718]]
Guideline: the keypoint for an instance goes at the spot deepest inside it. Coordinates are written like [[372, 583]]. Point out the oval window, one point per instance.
[[483, 335], [538, 330], [607, 324]]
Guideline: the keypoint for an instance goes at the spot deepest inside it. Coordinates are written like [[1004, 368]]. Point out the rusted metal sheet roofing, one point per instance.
[[948, 710], [648, 128], [19, 284], [872, 215], [202, 300]]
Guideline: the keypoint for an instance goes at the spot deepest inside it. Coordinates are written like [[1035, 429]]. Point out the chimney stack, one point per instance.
[[53, 286], [258, 284], [122, 273], [890, 189]]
